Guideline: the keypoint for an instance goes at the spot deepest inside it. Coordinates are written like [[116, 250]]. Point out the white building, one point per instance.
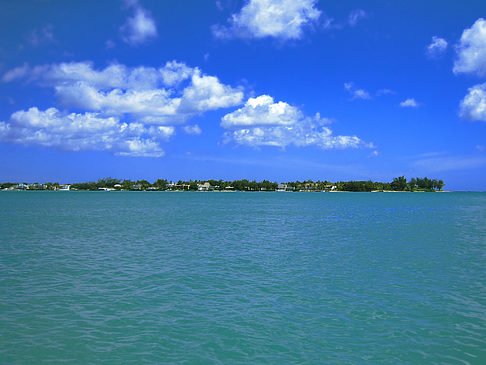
[[284, 187], [203, 187]]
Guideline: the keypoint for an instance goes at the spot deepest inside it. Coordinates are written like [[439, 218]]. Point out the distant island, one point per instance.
[[110, 184]]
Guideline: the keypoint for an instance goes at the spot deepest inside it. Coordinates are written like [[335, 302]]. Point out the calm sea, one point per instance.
[[228, 278]]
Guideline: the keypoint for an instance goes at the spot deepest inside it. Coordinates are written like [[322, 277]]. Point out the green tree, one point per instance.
[[412, 184], [192, 185], [127, 184], [144, 184], [160, 184], [399, 183], [440, 184]]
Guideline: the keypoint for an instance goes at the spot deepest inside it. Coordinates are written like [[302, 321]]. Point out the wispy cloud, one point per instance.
[[140, 27], [355, 92], [409, 103], [192, 129], [355, 16], [449, 163], [40, 36], [382, 92], [437, 47]]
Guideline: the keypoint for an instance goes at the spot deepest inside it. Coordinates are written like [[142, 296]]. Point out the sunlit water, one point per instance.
[[160, 277]]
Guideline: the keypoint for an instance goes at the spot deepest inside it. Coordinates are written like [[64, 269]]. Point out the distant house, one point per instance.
[[37, 186], [204, 187], [330, 188], [174, 186], [284, 187]]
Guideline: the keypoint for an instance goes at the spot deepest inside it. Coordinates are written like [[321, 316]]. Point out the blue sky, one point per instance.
[[258, 89]]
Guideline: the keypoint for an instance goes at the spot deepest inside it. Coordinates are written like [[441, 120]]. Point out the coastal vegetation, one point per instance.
[[398, 184]]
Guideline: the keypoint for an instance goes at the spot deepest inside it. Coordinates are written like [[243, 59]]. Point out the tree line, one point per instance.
[[164, 184], [398, 184]]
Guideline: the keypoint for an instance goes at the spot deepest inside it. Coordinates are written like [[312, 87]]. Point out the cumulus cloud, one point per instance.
[[154, 99], [471, 50], [282, 19], [83, 131], [262, 122], [473, 106], [437, 47], [140, 27], [261, 111], [167, 95], [355, 92], [409, 103], [355, 16], [207, 93]]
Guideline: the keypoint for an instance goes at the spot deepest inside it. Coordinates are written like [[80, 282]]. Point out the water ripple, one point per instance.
[[242, 278]]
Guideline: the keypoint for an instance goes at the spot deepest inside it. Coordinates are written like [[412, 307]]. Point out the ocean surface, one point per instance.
[[242, 278]]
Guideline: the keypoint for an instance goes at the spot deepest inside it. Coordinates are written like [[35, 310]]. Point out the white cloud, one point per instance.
[[140, 27], [471, 50], [207, 93], [168, 95], [283, 19], [16, 73], [155, 106], [83, 132], [262, 122], [355, 16], [152, 99], [192, 129], [355, 92], [473, 106], [173, 73], [437, 47], [409, 103], [262, 111]]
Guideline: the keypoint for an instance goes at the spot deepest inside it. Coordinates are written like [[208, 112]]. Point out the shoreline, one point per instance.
[[235, 191]]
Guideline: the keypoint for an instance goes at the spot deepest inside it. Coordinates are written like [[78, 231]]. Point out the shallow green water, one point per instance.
[[114, 277]]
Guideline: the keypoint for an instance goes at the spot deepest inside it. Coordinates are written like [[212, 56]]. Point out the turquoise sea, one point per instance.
[[242, 278]]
